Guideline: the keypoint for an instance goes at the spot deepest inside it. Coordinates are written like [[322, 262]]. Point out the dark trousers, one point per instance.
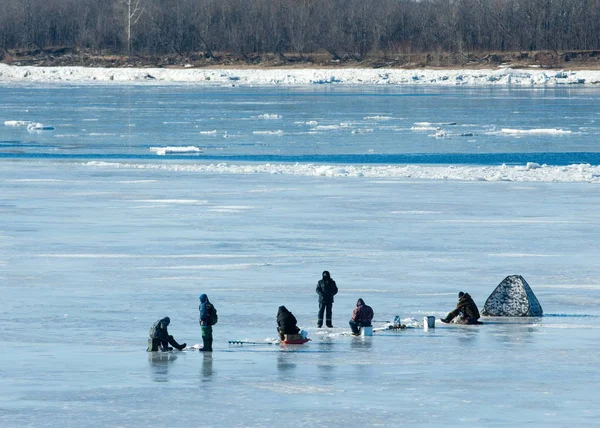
[[282, 333], [325, 308], [207, 338], [157, 344], [463, 320], [452, 315], [355, 326]]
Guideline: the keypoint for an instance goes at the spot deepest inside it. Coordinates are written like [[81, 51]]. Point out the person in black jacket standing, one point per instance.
[[286, 323], [326, 289]]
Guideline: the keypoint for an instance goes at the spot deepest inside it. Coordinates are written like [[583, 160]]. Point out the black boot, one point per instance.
[[207, 347]]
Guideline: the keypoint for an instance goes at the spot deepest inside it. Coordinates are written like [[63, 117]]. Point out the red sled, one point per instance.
[[293, 339]]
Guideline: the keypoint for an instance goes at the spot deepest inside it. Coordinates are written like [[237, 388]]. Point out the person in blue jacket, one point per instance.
[[208, 317]]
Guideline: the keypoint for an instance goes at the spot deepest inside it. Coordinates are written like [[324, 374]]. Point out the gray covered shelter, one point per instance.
[[512, 298]]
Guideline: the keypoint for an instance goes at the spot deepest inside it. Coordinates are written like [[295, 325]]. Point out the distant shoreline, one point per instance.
[[278, 76], [543, 59]]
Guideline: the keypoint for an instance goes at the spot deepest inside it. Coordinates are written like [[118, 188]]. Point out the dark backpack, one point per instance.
[[212, 314]]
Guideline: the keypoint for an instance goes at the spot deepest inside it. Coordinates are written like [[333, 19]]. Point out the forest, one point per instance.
[[341, 28]]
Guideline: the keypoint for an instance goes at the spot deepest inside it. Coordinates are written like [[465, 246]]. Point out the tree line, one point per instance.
[[350, 28]]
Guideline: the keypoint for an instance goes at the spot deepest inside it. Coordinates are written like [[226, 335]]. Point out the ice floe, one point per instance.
[[541, 131], [532, 172], [268, 116], [379, 118], [293, 77], [278, 132], [174, 149], [430, 124], [17, 122], [37, 127]]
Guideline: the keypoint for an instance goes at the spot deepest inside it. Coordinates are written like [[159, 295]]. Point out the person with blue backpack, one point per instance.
[[208, 318]]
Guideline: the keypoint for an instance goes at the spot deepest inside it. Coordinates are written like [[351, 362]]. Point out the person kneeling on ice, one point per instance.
[[286, 323], [466, 309], [361, 317], [160, 339], [208, 318]]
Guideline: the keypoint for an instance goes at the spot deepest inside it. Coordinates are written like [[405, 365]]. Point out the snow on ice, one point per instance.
[[287, 77]]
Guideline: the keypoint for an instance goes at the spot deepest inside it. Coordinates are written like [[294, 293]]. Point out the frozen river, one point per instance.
[[101, 235]]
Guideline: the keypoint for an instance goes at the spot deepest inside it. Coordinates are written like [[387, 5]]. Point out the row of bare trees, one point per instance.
[[342, 27]]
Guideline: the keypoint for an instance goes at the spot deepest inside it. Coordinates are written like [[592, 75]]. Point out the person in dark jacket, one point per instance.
[[466, 309], [326, 289], [206, 315], [160, 339], [361, 317], [286, 322]]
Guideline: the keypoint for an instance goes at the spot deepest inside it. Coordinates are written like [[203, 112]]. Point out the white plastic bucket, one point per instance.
[[428, 322], [366, 331]]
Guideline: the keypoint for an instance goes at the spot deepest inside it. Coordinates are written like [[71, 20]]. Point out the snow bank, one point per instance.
[[532, 172], [289, 77]]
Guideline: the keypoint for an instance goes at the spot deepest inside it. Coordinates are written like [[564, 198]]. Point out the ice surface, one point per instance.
[[91, 368], [99, 238]]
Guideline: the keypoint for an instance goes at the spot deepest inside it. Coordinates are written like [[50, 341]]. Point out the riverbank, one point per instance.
[[65, 56]]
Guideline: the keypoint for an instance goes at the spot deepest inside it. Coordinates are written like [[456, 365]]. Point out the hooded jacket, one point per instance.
[[286, 321], [204, 308], [326, 288], [468, 307], [159, 330], [362, 314]]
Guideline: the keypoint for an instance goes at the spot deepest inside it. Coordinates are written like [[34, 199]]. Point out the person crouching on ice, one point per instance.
[[361, 317], [286, 323], [466, 309], [160, 339]]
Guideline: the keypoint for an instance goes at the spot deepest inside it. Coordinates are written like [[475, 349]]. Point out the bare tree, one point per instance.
[[347, 29], [133, 12]]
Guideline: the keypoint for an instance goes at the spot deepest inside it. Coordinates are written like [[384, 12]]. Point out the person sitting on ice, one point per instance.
[[160, 339], [286, 323], [466, 309], [361, 317]]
